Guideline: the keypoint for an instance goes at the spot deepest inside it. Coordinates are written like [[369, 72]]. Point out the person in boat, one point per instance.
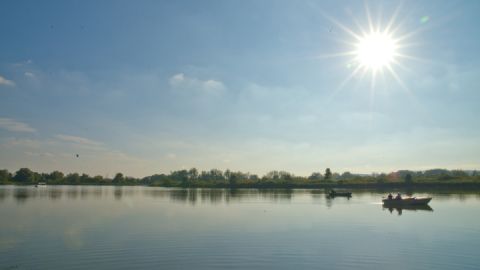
[[398, 197], [390, 196], [332, 192]]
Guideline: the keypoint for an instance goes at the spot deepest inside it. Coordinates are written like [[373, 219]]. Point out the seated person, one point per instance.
[[398, 197], [390, 196]]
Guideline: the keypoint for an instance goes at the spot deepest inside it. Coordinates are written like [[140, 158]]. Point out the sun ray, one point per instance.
[[377, 50], [393, 18], [372, 80], [354, 72], [401, 66], [410, 57], [359, 26], [369, 18], [397, 78], [349, 53]]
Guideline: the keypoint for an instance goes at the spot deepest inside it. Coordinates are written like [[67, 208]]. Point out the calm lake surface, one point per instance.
[[83, 227]]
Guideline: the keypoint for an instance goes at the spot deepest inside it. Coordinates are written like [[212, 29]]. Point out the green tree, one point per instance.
[[315, 176], [98, 179], [84, 178], [408, 178], [24, 176], [55, 177], [328, 174], [118, 179], [5, 176], [193, 174], [346, 176], [232, 179], [73, 178]]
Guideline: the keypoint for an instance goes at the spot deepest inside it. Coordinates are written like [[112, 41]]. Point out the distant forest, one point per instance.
[[273, 179]]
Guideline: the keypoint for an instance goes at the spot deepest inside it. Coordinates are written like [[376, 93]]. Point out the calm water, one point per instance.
[[145, 228]]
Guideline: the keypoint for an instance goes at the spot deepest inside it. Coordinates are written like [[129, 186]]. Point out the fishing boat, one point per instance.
[[334, 193], [407, 201]]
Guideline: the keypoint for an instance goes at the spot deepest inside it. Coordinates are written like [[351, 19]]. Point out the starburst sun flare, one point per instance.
[[375, 51]]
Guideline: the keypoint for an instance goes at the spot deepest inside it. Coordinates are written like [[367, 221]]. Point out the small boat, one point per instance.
[[334, 193], [407, 201]]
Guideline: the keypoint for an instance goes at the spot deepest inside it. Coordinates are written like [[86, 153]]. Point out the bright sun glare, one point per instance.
[[375, 51]]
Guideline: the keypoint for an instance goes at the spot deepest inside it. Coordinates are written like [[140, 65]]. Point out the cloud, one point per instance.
[[15, 126], [77, 140], [29, 74], [23, 63], [25, 143], [181, 81], [6, 82], [177, 79], [43, 154]]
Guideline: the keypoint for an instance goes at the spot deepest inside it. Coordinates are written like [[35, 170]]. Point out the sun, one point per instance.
[[377, 47], [375, 51]]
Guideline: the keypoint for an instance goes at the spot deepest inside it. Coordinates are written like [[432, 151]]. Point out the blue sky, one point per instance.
[[145, 87]]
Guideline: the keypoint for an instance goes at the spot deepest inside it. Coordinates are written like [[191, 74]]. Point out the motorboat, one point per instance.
[[334, 193], [410, 201]]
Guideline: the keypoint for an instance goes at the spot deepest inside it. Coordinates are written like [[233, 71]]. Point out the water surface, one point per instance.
[[83, 227]]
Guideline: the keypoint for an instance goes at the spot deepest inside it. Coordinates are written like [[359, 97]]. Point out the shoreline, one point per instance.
[[350, 186]]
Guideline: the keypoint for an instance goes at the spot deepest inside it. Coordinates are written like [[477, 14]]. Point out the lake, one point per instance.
[[90, 227]]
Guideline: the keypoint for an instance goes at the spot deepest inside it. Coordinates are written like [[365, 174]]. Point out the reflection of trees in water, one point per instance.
[[240, 194], [54, 193], [83, 192], [192, 196], [179, 195], [318, 195], [277, 194], [329, 201], [118, 193], [72, 192], [96, 192], [3, 194], [156, 192], [213, 195], [21, 195]]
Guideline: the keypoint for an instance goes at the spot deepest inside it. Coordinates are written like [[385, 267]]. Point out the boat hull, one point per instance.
[[340, 194], [406, 201]]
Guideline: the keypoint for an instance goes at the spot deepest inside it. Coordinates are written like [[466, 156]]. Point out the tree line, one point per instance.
[[227, 178]]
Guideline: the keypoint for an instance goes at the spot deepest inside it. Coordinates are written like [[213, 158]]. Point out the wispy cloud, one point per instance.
[[29, 74], [24, 143], [23, 63], [6, 82], [36, 154], [15, 126], [77, 140], [181, 81]]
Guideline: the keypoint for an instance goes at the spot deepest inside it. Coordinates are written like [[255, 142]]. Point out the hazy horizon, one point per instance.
[[253, 86]]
